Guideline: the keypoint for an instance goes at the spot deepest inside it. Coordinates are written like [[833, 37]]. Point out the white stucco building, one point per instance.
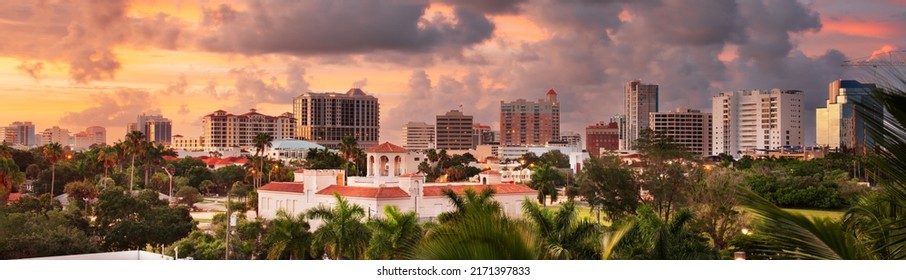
[[758, 120], [391, 180]]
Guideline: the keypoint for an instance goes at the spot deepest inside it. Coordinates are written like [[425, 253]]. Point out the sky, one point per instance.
[[80, 63]]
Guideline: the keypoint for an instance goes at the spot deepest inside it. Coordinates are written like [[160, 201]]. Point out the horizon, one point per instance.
[[79, 64]]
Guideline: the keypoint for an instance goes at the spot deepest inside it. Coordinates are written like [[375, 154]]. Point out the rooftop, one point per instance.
[[386, 147], [370, 192], [296, 187], [500, 189]]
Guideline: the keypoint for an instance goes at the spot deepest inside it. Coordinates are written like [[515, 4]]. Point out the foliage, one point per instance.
[[288, 237], [33, 234], [246, 238], [323, 159], [470, 201], [393, 237], [546, 179], [199, 246], [714, 201], [609, 186], [226, 176], [653, 238], [478, 234], [188, 196], [130, 222], [555, 158], [10, 178], [342, 235], [562, 235]]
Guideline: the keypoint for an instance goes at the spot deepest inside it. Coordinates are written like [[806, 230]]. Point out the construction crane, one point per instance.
[[884, 59]]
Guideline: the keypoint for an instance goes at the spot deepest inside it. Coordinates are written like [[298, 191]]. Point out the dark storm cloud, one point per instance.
[[489, 7], [331, 27]]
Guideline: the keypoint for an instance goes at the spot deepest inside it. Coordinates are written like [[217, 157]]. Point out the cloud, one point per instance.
[[32, 68], [360, 83], [341, 27], [489, 7], [113, 109], [178, 87]]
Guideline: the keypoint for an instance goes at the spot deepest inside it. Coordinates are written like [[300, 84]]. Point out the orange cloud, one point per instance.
[[862, 28]]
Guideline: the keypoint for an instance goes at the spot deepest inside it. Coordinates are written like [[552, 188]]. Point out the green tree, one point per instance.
[[107, 156], [546, 180], [555, 158], [133, 146], [348, 149], [189, 196], [288, 237], [393, 237], [342, 235], [470, 201], [262, 141], [131, 222], [81, 192], [53, 152], [562, 235], [715, 203], [609, 186], [200, 246], [323, 159], [10, 178], [39, 234], [653, 238]]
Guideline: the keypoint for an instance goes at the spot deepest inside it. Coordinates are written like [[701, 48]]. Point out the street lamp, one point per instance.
[[172, 201]]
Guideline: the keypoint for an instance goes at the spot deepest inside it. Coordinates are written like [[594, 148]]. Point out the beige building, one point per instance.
[[225, 130], [454, 131], [841, 123], [180, 142], [757, 120], [418, 136], [530, 123], [19, 133], [98, 134], [55, 135], [688, 128], [325, 118], [391, 181], [640, 100]]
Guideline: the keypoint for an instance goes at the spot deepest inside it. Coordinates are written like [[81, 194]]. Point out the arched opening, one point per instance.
[[370, 166], [385, 166], [484, 180], [397, 164]]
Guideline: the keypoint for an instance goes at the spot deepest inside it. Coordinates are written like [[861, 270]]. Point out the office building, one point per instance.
[[55, 135], [454, 131], [602, 137], [840, 125], [418, 136], [688, 128], [757, 120], [482, 134], [19, 133], [573, 139], [530, 123], [97, 134], [225, 130], [325, 118], [155, 128], [639, 101]]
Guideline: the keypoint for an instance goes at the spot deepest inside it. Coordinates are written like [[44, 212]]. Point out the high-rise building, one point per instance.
[[325, 118], [756, 121], [224, 130], [418, 136], [688, 128], [98, 134], [155, 128], [573, 139], [639, 100], [530, 123], [841, 124], [454, 131], [602, 136], [20, 133], [55, 135], [482, 134]]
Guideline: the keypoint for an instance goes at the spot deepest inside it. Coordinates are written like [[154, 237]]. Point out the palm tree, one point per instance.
[[10, 177], [545, 180], [133, 146], [53, 152], [343, 235], [393, 237], [348, 147], [562, 235], [262, 141], [288, 235], [108, 157], [470, 201]]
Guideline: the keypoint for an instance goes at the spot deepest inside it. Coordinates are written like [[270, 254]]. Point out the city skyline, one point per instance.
[[105, 63]]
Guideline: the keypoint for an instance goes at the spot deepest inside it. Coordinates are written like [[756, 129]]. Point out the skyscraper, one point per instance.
[[530, 123], [418, 136], [20, 133], [688, 128], [156, 128], [98, 134], [482, 134], [224, 130], [325, 118], [841, 123], [454, 131], [640, 100], [756, 121], [55, 135]]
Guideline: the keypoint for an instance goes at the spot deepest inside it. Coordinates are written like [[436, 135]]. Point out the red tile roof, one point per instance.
[[551, 92], [370, 192], [169, 158], [14, 197], [460, 189], [296, 187], [386, 148]]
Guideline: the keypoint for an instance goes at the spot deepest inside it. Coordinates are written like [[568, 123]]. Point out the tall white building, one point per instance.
[[688, 128], [98, 134], [224, 130], [571, 138], [325, 118], [639, 101], [757, 120], [418, 136], [155, 128], [841, 123], [20, 133], [55, 135]]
